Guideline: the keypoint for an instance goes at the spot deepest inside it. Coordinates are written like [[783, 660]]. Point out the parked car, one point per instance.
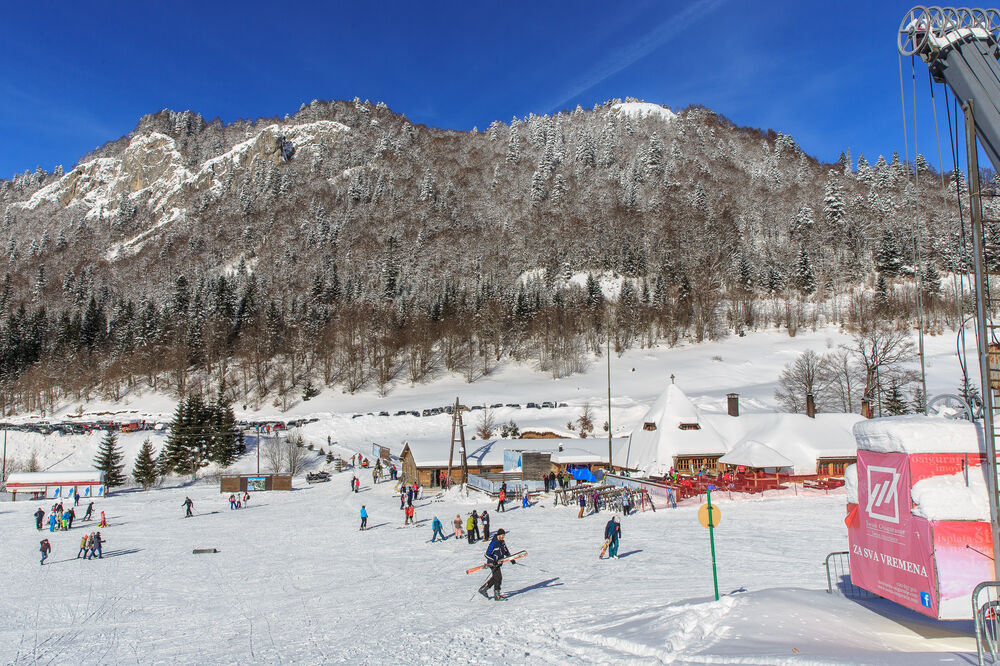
[[514, 405], [475, 407], [383, 413], [428, 412], [357, 416], [402, 412], [415, 413], [317, 477], [531, 405], [563, 404], [548, 405], [496, 405]]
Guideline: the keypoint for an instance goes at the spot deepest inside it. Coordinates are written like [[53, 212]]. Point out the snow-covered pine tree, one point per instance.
[[144, 471], [833, 200], [109, 460], [888, 258], [881, 294], [805, 280]]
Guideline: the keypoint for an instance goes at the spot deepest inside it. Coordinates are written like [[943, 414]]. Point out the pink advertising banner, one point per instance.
[[891, 551]]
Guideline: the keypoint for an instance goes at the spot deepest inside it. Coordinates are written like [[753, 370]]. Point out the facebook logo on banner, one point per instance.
[[925, 599]]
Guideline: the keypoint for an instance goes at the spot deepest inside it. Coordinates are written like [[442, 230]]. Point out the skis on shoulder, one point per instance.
[[516, 556]]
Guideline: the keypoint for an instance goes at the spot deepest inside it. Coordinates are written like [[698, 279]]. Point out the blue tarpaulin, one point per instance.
[[583, 474]]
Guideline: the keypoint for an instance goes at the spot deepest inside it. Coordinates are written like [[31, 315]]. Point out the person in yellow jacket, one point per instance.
[[470, 528], [83, 546]]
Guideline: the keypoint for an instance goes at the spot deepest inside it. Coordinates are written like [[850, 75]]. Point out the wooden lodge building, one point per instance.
[[495, 459], [675, 433]]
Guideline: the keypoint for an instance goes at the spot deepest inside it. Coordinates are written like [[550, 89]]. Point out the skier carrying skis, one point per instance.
[[39, 515], [613, 532], [436, 526], [187, 504], [364, 517], [496, 552]]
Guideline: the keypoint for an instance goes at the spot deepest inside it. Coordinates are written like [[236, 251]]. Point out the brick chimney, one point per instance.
[[810, 406], [866, 408], [734, 404]]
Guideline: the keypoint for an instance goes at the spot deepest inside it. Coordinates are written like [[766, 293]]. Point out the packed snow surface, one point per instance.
[[643, 109], [295, 581]]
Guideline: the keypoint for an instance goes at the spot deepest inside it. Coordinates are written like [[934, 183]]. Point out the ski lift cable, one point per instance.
[[953, 139], [916, 224]]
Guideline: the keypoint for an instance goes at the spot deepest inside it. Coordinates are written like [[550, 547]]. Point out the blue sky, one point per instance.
[[75, 75]]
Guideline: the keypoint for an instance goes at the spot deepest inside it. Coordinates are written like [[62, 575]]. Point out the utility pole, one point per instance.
[[456, 424], [258, 448], [3, 473], [610, 468]]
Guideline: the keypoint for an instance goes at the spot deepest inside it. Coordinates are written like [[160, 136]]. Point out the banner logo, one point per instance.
[[883, 495]]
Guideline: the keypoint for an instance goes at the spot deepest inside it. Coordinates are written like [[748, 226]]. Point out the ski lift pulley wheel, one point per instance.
[[949, 406]]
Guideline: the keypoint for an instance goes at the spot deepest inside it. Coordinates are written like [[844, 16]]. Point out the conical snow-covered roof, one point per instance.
[[673, 426]]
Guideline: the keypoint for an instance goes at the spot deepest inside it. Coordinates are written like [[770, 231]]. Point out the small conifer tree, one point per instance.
[[144, 471], [109, 460]]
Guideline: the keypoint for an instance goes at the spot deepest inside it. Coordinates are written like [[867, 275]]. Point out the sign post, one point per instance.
[[710, 516]]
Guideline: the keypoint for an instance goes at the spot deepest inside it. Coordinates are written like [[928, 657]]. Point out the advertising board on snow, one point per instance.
[[891, 550], [918, 527]]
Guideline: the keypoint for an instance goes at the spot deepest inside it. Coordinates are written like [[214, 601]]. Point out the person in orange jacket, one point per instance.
[[502, 497]]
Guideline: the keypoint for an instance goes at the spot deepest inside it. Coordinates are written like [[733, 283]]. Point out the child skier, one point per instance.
[[436, 526], [458, 526], [496, 551], [525, 498], [45, 547], [409, 515], [364, 517], [104, 521], [583, 504]]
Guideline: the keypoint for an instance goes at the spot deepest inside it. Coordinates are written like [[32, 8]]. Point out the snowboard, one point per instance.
[[604, 548], [516, 556]]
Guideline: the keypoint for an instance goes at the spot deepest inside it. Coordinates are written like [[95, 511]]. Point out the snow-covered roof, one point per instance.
[[918, 434], [489, 453], [755, 454], [798, 438], [89, 476], [654, 450]]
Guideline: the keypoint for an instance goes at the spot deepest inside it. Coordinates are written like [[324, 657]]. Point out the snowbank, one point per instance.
[[951, 498], [851, 483]]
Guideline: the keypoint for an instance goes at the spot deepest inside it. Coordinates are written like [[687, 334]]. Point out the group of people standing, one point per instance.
[[237, 502], [61, 518]]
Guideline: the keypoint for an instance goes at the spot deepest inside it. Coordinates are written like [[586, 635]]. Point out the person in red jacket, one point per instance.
[[45, 548], [502, 498]]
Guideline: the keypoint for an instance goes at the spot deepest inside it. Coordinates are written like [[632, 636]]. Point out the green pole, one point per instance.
[[711, 540]]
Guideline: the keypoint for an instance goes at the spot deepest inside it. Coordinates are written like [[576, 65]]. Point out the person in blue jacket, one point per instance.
[[52, 522], [495, 553], [364, 517], [436, 525], [612, 532]]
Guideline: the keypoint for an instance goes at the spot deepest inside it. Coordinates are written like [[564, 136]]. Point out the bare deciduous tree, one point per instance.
[[487, 422], [802, 376]]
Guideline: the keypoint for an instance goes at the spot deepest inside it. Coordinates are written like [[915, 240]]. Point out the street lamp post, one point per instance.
[[610, 468], [258, 449]]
